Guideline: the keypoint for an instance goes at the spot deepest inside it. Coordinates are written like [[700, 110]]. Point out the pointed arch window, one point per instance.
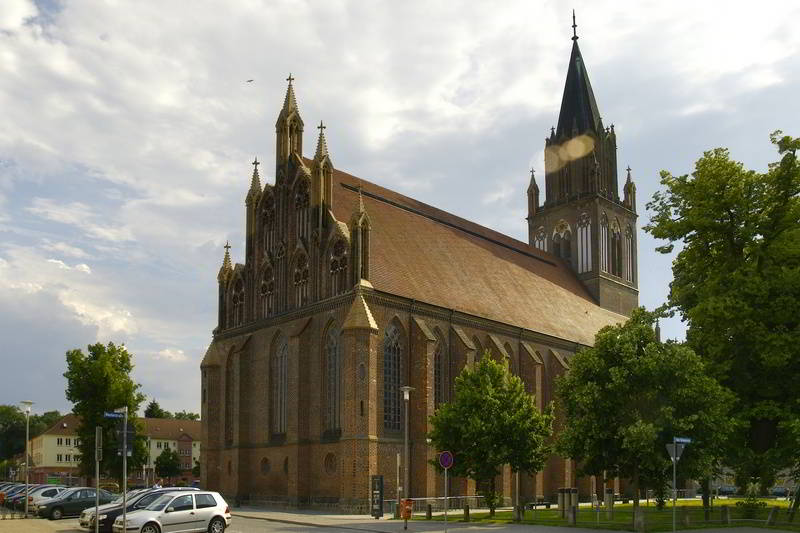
[[333, 393], [338, 271], [301, 273], [630, 254], [540, 240], [440, 372], [266, 292], [566, 246], [584, 243], [229, 398], [302, 212], [562, 240], [604, 242], [268, 221], [279, 377], [393, 348], [237, 303], [615, 249]]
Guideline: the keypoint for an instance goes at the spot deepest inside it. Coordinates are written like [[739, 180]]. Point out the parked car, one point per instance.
[[108, 513], [71, 502], [10, 493], [779, 491], [726, 490], [196, 512], [43, 492]]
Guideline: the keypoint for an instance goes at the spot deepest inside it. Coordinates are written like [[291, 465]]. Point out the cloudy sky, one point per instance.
[[128, 129]]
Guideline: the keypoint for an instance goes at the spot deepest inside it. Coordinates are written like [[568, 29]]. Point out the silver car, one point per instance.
[[179, 512]]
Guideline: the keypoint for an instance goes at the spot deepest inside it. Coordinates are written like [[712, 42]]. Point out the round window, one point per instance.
[[330, 463], [265, 465]]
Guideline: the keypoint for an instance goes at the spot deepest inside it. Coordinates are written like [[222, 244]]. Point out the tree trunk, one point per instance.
[[635, 484], [492, 500], [706, 486]]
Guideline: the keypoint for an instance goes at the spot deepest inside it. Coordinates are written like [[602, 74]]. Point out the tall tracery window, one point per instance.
[[629, 254], [279, 377], [392, 372], [540, 240], [566, 246], [333, 361], [229, 397], [562, 240], [338, 278], [237, 303], [584, 243], [440, 372], [302, 212], [604, 263], [269, 223], [301, 281], [267, 292], [615, 248]]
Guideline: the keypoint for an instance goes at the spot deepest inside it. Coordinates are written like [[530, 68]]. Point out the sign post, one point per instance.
[[98, 456], [376, 494], [675, 449], [445, 461]]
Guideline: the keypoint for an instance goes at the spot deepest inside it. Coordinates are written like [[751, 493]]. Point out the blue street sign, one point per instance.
[[446, 460], [108, 414], [683, 440]]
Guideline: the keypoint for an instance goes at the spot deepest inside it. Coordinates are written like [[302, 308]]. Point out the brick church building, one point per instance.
[[349, 291]]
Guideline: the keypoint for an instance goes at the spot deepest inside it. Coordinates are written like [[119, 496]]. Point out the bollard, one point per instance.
[[572, 515], [573, 499], [684, 512], [428, 512], [466, 512], [726, 515], [609, 501], [560, 501], [773, 516]]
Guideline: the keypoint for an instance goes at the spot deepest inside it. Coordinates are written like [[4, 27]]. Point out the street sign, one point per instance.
[[111, 414], [675, 450], [446, 460], [682, 440], [376, 495]]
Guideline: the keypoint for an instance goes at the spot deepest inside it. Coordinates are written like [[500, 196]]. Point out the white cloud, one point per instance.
[[171, 354], [64, 248], [14, 13]]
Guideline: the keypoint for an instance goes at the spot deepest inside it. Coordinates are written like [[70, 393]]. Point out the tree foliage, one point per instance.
[[154, 410], [491, 422], [186, 415], [737, 285], [12, 428], [168, 464], [625, 398], [100, 381]]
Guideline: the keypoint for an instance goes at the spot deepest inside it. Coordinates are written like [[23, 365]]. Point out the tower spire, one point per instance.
[[226, 269], [322, 145], [574, 27], [255, 183]]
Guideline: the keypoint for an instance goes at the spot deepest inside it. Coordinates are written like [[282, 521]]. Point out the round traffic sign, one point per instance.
[[446, 460]]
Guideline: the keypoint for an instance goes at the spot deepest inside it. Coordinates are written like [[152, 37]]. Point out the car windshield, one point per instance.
[[147, 499], [160, 503], [67, 493]]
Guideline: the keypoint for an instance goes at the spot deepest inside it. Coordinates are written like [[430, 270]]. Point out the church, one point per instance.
[[348, 291]]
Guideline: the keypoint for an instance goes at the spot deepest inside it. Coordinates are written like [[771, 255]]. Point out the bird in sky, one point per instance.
[[249, 81]]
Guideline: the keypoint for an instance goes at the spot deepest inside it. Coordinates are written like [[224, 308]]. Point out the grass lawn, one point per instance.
[[622, 518]]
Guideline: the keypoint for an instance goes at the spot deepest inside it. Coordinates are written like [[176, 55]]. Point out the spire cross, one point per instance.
[[290, 79], [574, 27], [628, 169], [533, 171], [255, 164], [227, 246], [321, 127]]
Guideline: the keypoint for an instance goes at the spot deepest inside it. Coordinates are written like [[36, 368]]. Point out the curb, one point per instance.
[[307, 524]]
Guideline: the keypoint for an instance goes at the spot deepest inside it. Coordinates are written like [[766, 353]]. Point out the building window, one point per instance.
[[562, 236], [301, 210], [301, 281], [166, 445], [333, 349], [68, 441], [59, 458], [268, 220], [229, 400], [339, 268], [439, 372], [158, 445], [392, 360], [604, 243], [540, 240], [237, 303], [77, 442], [60, 441], [629, 255], [68, 458], [615, 246], [279, 386], [584, 243], [267, 292]]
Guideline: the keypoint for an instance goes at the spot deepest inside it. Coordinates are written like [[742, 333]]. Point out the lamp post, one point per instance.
[[26, 406], [406, 470]]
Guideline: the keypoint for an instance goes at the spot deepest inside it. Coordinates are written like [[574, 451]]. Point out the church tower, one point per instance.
[[583, 220]]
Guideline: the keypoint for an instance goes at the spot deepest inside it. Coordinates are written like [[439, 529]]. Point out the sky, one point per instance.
[[128, 129]]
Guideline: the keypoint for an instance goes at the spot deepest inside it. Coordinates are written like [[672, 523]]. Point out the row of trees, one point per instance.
[[154, 410], [12, 429], [731, 387]]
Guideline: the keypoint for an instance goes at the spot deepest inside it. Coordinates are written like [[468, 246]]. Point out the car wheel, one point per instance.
[[56, 514], [217, 525], [150, 528]]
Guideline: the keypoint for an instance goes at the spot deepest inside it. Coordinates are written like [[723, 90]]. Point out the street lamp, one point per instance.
[[26, 406], [406, 492]]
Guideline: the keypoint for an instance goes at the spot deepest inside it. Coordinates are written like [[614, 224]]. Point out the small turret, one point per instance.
[[226, 270], [289, 127], [254, 193], [359, 231], [629, 190], [533, 195]]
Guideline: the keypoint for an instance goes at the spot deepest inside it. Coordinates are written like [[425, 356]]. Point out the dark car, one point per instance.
[[779, 491], [14, 491], [726, 490], [72, 502], [110, 512]]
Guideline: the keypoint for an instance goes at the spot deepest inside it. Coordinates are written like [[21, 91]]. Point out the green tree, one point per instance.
[[491, 422], [168, 464], [195, 468], [737, 285], [100, 381], [12, 431], [154, 410], [625, 398], [43, 422], [186, 415]]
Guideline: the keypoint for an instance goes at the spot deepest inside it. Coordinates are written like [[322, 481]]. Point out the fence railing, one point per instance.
[[454, 503]]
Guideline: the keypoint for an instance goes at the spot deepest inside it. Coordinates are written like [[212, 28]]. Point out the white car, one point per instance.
[[179, 512], [40, 494]]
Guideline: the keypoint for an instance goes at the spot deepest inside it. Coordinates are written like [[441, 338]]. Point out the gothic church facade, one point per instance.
[[349, 291]]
